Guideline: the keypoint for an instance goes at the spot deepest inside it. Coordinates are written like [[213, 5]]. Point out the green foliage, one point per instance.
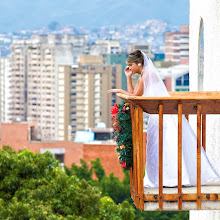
[[125, 210], [98, 168], [114, 191], [162, 215], [118, 191], [109, 186], [123, 134], [82, 172], [33, 186]]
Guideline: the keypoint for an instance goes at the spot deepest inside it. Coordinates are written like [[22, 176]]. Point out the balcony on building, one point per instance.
[[199, 197]]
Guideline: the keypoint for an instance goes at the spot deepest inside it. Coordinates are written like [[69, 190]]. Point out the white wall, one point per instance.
[[209, 12]]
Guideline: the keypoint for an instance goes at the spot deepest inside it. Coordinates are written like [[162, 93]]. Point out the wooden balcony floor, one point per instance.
[[210, 188]]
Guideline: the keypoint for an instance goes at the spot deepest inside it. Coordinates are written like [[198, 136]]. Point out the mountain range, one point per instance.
[[18, 15]]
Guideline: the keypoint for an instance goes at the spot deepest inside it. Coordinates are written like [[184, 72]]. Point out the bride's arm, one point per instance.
[[129, 84], [137, 91], [129, 74]]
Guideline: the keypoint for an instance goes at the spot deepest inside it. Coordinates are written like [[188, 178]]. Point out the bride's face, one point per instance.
[[134, 68]]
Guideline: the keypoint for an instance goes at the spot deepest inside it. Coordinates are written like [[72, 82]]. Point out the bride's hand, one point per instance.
[[114, 91], [128, 72]]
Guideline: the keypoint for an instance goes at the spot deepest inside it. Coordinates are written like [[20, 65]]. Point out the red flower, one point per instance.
[[124, 108], [123, 164], [114, 109]]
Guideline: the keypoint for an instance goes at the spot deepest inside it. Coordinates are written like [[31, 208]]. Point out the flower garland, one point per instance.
[[123, 134]]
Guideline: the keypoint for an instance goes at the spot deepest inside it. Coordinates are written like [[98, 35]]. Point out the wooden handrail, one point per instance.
[[199, 103], [189, 102]]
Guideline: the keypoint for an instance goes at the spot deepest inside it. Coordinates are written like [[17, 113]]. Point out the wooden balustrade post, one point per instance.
[[137, 158], [198, 156], [204, 131], [135, 148], [160, 156], [139, 142], [137, 172], [187, 117], [134, 167], [179, 156]]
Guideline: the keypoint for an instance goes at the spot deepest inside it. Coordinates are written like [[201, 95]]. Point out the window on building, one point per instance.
[[186, 80], [179, 81], [113, 68], [182, 83], [59, 157], [32, 133]]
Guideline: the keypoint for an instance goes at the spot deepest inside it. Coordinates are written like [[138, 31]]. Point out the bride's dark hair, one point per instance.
[[136, 57]]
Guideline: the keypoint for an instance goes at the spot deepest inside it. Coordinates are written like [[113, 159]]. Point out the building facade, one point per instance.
[[143, 47], [175, 78], [34, 78], [67, 152], [105, 47], [83, 98], [118, 59], [177, 45], [4, 88]]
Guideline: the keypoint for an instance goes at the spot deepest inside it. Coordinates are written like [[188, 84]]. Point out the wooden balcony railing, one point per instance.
[[199, 103]]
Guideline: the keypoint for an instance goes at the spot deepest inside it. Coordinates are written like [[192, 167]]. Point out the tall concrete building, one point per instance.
[[118, 59], [105, 47], [83, 98], [34, 78], [177, 45], [143, 47], [4, 88]]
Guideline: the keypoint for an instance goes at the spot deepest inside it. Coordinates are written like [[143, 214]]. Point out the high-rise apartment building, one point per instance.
[[105, 47], [4, 88], [143, 47], [34, 78], [118, 59], [83, 98], [177, 45]]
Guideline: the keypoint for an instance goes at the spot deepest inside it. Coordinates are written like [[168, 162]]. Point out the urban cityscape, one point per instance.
[[54, 85], [60, 79], [74, 144]]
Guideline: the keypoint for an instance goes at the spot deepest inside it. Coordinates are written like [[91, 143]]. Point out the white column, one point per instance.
[[209, 11]]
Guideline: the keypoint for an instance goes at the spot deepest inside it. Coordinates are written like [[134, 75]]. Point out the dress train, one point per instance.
[[170, 154]]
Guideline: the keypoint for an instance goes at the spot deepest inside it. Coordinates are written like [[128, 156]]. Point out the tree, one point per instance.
[[109, 186], [119, 192], [34, 186]]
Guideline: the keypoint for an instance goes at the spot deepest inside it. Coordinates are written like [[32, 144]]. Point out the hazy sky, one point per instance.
[[33, 14]]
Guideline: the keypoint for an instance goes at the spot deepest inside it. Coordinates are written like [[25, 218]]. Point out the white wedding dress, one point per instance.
[[154, 87]]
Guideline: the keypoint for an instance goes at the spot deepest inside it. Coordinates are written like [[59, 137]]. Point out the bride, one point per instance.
[[150, 84]]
